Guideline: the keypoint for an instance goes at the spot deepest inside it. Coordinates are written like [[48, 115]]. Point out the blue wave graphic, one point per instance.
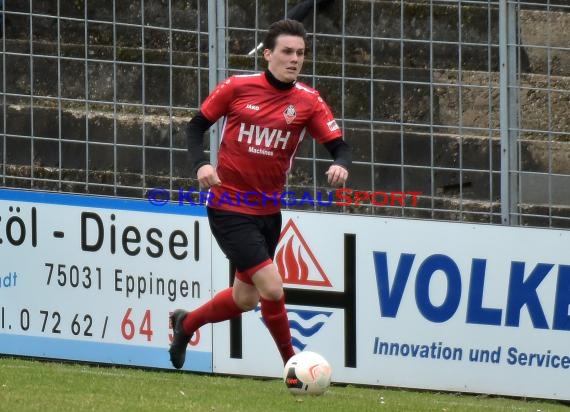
[[305, 331], [298, 344], [308, 314], [304, 324]]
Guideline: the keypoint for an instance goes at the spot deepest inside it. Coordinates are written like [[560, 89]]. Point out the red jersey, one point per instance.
[[262, 129]]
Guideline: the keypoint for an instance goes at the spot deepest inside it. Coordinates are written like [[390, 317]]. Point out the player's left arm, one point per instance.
[[326, 130], [341, 152]]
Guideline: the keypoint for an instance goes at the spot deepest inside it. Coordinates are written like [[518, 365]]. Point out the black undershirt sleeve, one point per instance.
[[340, 152], [195, 130]]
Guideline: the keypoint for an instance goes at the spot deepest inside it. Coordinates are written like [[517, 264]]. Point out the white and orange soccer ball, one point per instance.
[[307, 373]]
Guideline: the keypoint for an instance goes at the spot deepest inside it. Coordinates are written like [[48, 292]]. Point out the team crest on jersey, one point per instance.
[[290, 114]]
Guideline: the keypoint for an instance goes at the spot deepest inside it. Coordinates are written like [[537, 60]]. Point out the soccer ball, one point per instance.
[[307, 373]]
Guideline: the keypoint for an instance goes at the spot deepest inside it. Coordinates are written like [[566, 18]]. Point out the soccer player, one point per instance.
[[266, 115]]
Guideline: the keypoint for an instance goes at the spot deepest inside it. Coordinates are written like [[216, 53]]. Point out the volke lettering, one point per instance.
[[522, 291]]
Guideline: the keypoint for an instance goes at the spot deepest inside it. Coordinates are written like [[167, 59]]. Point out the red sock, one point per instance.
[[275, 318], [221, 307]]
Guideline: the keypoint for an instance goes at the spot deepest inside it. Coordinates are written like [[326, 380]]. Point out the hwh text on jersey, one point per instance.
[[264, 136]]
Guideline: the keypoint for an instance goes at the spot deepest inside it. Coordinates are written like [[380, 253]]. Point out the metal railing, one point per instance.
[[466, 102]]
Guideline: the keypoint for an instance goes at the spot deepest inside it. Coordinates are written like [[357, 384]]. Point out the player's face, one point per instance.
[[286, 59]]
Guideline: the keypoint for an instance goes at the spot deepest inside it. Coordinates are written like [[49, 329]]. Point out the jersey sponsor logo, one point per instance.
[[332, 125], [259, 151], [264, 137], [252, 107], [290, 114]]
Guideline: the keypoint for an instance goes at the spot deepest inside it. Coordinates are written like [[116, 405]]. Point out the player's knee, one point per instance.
[[247, 301], [269, 283], [273, 292]]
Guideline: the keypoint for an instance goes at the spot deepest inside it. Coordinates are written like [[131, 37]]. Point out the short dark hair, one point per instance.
[[286, 26]]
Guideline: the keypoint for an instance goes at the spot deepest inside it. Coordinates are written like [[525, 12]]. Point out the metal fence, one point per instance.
[[466, 102]]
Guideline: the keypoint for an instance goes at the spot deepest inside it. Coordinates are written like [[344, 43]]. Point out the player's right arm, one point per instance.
[[195, 139], [215, 106], [199, 162]]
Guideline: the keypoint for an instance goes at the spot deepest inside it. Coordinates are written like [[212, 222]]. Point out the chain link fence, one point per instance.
[[466, 102]]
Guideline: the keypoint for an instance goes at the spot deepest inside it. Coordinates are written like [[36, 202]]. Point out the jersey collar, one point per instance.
[[278, 84]]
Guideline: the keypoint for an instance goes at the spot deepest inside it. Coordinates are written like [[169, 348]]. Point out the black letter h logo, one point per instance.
[[317, 298]]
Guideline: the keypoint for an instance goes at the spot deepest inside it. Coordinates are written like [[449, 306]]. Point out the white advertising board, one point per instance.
[[391, 302], [94, 279], [437, 305]]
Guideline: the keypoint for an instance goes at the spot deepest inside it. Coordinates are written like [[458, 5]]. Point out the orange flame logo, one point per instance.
[[291, 265], [292, 260]]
